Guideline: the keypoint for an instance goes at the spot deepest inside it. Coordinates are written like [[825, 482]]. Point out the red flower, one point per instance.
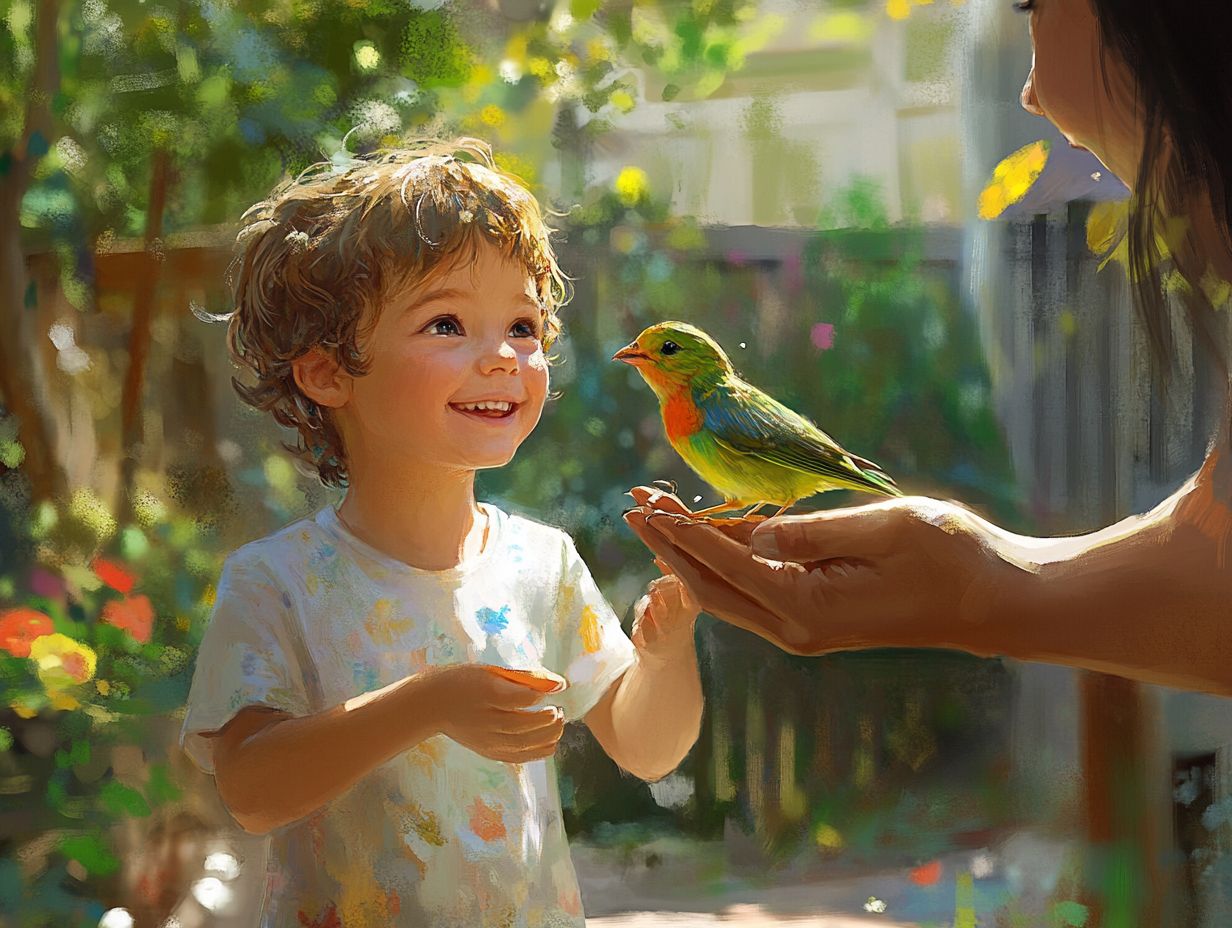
[[927, 875], [134, 614], [19, 627], [114, 575]]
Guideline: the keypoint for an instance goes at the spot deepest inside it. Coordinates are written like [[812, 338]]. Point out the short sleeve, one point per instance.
[[248, 657], [591, 649]]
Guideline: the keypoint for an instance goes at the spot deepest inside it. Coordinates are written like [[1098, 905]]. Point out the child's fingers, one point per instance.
[[678, 595], [505, 694], [525, 755], [522, 750], [522, 721], [541, 680], [644, 628], [667, 596]]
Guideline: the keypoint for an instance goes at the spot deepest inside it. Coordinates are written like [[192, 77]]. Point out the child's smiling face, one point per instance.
[[458, 374]]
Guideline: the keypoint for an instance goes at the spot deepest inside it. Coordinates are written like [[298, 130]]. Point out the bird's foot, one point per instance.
[[667, 486]]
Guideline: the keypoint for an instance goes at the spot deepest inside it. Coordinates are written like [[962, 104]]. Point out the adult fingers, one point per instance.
[[723, 556], [656, 499], [711, 592]]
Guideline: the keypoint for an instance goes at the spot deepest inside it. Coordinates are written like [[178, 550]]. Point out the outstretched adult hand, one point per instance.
[[911, 572]]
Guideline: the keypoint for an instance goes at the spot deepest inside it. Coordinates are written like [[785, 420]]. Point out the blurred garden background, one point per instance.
[[814, 183]]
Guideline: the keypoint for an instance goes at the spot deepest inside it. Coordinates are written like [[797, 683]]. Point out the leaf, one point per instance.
[[91, 853], [1069, 914], [1012, 178], [1106, 225], [584, 9], [122, 800], [160, 789]]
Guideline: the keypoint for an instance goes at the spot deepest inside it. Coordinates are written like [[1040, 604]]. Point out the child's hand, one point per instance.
[[488, 714], [663, 618]]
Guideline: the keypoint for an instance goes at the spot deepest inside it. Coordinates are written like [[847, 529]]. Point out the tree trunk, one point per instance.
[[21, 378], [131, 406]]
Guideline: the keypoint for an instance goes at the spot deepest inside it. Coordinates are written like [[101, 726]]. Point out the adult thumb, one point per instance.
[[790, 538], [859, 531]]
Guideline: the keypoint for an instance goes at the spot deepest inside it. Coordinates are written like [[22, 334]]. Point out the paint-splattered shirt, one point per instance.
[[439, 836]]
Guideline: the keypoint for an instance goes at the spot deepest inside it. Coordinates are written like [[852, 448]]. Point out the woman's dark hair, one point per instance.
[[1177, 54]]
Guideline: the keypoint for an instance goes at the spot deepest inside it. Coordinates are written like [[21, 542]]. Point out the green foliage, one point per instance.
[[134, 597]]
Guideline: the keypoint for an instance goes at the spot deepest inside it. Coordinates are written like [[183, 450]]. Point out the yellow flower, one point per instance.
[[60, 700], [1012, 178], [492, 115], [631, 186], [62, 662], [827, 836]]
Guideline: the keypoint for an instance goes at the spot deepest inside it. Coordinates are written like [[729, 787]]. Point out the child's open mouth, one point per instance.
[[488, 409]]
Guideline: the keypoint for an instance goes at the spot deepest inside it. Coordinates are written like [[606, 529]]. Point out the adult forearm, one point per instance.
[[656, 714], [1147, 599], [288, 769]]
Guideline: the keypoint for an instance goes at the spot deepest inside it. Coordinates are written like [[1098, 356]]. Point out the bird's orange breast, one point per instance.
[[681, 417]]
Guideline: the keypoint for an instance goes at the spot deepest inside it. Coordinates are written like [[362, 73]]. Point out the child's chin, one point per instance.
[[492, 459]]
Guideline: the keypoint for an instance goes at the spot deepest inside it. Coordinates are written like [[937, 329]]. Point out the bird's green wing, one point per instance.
[[749, 421]]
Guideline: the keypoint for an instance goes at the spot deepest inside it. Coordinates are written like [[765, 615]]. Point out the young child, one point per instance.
[[397, 314]]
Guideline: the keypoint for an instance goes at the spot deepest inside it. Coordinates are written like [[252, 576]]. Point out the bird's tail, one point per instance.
[[875, 479], [880, 482]]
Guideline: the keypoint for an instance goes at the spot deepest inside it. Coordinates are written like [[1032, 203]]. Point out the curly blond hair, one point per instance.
[[316, 259]]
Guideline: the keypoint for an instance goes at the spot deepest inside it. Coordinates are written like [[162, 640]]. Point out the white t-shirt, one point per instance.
[[439, 836]]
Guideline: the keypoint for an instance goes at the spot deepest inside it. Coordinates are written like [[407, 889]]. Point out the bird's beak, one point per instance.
[[631, 354]]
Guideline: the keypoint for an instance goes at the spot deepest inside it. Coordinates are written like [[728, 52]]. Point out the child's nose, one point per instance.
[[500, 357]]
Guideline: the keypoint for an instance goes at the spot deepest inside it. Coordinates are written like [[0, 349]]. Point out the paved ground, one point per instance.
[[677, 884]]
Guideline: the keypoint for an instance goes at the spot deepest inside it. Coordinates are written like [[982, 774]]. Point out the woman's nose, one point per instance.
[[1030, 102]]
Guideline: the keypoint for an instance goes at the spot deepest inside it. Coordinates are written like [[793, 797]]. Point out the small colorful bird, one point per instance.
[[747, 445]]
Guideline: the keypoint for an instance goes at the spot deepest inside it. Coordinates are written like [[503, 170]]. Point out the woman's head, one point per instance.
[[1147, 86]]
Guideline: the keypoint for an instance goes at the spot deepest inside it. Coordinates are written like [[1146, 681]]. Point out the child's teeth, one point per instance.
[[496, 406]]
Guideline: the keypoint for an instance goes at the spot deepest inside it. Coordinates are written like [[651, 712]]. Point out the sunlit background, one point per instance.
[[840, 193]]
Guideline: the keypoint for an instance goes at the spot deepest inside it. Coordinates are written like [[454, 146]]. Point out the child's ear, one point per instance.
[[322, 379]]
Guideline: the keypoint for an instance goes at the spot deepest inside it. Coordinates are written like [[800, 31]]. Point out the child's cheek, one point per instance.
[[539, 371]]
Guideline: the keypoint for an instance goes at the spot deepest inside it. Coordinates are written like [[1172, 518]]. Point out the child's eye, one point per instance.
[[524, 328], [1024, 6], [445, 325]]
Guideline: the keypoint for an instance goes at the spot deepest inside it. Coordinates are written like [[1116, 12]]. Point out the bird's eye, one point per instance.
[[669, 348]]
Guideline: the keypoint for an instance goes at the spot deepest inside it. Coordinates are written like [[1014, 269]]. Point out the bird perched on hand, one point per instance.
[[747, 445]]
